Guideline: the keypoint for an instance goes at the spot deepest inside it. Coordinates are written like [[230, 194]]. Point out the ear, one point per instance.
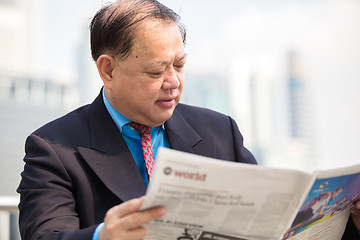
[[105, 65]]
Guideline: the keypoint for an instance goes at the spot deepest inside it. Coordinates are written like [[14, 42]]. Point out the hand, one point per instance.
[[124, 221], [355, 214]]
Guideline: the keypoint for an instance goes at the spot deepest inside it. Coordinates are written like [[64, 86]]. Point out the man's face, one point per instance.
[[147, 85]]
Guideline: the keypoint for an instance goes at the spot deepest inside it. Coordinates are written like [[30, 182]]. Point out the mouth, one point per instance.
[[166, 102]]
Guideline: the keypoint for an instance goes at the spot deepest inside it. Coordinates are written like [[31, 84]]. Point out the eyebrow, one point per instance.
[[165, 63], [181, 58]]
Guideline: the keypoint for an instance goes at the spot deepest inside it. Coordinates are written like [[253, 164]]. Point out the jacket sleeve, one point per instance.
[[47, 202], [351, 232]]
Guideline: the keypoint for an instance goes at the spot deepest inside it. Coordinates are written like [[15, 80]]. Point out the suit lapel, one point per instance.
[[109, 156], [183, 137], [117, 172], [111, 160]]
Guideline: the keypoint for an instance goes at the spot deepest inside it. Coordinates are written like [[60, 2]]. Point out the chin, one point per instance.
[[164, 116]]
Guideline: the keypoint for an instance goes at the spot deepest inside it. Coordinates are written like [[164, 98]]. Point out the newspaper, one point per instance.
[[211, 199]]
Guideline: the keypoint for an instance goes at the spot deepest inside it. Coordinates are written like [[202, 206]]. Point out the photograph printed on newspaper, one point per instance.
[[326, 208]]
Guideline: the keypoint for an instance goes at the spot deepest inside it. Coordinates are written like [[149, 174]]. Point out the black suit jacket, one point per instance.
[[79, 166]]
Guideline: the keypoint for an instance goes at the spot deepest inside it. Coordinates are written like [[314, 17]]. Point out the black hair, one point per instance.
[[112, 30]]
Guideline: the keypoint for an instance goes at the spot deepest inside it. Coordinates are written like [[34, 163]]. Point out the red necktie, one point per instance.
[[146, 146]]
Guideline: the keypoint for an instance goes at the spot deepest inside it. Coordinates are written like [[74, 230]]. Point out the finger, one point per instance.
[[357, 204], [120, 227], [130, 206], [116, 233], [355, 210], [134, 220], [124, 209], [137, 233]]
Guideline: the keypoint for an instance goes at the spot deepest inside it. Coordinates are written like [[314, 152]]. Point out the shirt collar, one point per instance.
[[118, 118]]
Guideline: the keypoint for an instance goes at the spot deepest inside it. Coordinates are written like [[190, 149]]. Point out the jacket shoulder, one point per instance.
[[74, 123]]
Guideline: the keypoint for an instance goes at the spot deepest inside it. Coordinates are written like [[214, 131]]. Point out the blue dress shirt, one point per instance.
[[133, 140]]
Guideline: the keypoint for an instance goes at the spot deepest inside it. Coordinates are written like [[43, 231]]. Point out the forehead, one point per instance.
[[154, 33]]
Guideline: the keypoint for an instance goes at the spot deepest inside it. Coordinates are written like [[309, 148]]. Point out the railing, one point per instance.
[[9, 218]]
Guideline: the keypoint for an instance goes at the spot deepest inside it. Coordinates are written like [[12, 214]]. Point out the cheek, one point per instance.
[[181, 77], [181, 81], [149, 91]]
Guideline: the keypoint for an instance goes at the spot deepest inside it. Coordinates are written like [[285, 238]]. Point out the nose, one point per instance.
[[171, 80]]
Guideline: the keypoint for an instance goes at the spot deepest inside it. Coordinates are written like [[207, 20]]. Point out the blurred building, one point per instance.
[[21, 38], [301, 132], [30, 94], [28, 98], [88, 82], [271, 104], [209, 90]]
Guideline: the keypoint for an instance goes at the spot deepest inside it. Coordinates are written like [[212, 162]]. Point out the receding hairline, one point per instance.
[[149, 25], [134, 14], [116, 7], [155, 22]]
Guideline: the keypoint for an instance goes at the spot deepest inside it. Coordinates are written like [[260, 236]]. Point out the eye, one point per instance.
[[179, 67], [155, 74]]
